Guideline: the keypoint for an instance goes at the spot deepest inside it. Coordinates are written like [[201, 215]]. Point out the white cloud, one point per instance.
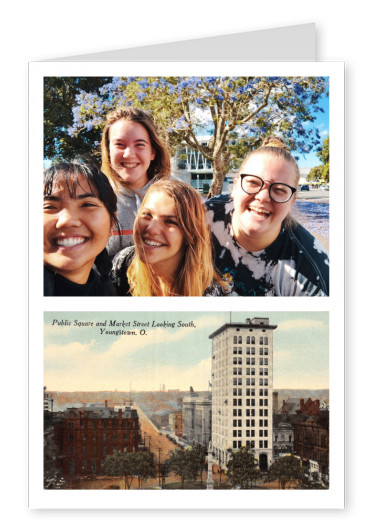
[[301, 324]]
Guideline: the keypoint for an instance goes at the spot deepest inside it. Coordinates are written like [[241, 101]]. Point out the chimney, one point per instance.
[[105, 403], [301, 405], [120, 413]]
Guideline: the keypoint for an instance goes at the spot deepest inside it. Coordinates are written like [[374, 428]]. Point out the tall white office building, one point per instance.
[[242, 389]]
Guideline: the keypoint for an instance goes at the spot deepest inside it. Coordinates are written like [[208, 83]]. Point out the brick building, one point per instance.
[[87, 434], [311, 441], [293, 406]]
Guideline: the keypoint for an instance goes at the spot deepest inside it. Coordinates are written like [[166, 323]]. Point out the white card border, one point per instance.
[[332, 498]]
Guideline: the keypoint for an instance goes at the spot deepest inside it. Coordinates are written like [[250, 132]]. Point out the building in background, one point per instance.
[[197, 418], [311, 443], [242, 386], [87, 434], [48, 401], [283, 440], [189, 165], [176, 422]]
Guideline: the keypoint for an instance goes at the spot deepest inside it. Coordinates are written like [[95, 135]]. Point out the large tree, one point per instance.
[[143, 466], [185, 463], [131, 465], [242, 468], [286, 469], [59, 98], [235, 112], [321, 172], [120, 464]]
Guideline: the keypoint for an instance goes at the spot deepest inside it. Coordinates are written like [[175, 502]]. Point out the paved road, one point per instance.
[[153, 438], [311, 209], [315, 196]]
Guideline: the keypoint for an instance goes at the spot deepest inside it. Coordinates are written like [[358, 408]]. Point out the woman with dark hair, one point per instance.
[[134, 157], [79, 212], [172, 254], [259, 248]]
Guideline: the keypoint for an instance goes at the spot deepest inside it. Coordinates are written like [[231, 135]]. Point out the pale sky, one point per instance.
[[81, 358]]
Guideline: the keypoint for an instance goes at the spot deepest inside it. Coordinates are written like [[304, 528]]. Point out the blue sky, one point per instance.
[[322, 123], [81, 358]]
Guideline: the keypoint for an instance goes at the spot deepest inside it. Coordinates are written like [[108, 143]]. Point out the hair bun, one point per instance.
[[273, 141]]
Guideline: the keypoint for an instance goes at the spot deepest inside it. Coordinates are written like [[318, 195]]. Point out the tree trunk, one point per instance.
[[220, 168]]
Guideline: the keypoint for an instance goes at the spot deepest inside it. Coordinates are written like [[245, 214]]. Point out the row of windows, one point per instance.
[[249, 433], [249, 372], [102, 437], [250, 361], [249, 423], [250, 351], [249, 392], [250, 444], [249, 412], [249, 381], [249, 402], [238, 340], [103, 424]]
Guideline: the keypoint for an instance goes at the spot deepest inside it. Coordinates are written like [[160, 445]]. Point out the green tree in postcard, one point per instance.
[[242, 468], [143, 466], [184, 463], [120, 464], [286, 469]]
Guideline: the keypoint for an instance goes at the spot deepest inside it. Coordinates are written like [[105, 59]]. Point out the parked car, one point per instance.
[[304, 187], [325, 187]]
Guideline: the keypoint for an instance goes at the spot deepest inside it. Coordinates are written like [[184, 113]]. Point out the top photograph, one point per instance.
[[186, 186]]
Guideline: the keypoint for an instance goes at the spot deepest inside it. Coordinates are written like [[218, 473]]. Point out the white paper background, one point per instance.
[[42, 29], [333, 498]]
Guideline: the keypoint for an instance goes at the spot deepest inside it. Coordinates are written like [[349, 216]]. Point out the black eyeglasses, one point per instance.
[[279, 192]]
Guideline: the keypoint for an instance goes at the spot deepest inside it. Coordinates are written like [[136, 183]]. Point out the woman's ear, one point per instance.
[[233, 187], [113, 223]]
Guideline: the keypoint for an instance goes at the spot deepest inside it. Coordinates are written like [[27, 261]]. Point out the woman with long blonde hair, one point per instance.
[[172, 254]]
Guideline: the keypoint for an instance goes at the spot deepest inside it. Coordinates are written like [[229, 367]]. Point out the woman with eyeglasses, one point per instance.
[[259, 248]]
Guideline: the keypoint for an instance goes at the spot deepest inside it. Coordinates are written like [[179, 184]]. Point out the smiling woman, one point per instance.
[[79, 211], [134, 157], [172, 253], [259, 248]]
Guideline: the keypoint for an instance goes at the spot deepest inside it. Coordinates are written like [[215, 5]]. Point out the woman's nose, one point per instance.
[[128, 151], [263, 193], [67, 218], [153, 226]]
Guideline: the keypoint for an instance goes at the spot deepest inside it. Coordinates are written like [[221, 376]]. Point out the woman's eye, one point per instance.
[[252, 182], [171, 222], [280, 191]]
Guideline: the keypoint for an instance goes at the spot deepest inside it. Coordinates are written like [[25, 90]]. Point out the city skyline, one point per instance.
[[86, 358]]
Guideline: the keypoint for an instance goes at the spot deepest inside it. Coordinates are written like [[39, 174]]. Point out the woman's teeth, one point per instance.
[[69, 242], [260, 211], [153, 244]]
